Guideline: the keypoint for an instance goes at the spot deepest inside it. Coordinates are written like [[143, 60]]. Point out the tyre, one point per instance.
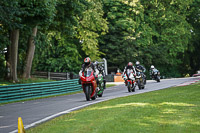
[[100, 95], [94, 97], [139, 84], [158, 79], [87, 92], [143, 83], [129, 86], [142, 87], [133, 89]]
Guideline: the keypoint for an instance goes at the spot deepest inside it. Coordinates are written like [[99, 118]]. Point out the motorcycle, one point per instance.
[[101, 85], [141, 81], [89, 84], [130, 80], [156, 75]]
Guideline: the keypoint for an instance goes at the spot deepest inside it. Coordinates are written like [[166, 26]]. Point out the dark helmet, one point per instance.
[[137, 63], [130, 64], [87, 61]]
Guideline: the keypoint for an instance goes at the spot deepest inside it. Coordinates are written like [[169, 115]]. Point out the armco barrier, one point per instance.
[[33, 90]]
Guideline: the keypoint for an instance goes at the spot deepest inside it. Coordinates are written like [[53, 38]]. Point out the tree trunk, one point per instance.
[[13, 54], [30, 54]]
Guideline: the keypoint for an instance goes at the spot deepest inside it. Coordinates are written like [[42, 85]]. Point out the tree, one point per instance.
[[153, 32], [191, 56], [72, 36], [121, 44], [41, 15], [10, 22]]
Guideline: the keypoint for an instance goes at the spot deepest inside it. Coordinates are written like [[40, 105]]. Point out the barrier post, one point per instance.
[[20, 126]]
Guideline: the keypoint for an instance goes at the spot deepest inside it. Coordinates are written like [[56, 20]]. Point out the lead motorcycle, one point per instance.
[[130, 80], [156, 75], [140, 79], [89, 84]]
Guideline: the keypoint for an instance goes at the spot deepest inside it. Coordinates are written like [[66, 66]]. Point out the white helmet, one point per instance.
[[137, 63], [152, 66]]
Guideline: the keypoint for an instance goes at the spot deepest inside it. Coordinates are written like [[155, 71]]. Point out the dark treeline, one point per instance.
[[56, 35]]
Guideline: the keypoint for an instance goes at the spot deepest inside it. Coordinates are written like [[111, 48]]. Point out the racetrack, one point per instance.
[[37, 111]]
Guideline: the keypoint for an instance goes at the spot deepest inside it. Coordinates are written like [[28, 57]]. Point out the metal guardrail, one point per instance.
[[55, 75], [33, 90]]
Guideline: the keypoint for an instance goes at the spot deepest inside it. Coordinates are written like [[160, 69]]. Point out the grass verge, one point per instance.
[[174, 110], [110, 85], [24, 81]]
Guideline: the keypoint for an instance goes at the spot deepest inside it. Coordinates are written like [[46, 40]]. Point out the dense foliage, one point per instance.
[[164, 33]]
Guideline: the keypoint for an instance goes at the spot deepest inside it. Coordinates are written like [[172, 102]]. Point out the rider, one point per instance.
[[87, 63], [152, 70], [129, 66], [140, 68], [101, 71]]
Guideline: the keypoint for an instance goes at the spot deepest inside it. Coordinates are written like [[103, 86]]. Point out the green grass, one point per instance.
[[170, 110], [110, 85], [23, 81]]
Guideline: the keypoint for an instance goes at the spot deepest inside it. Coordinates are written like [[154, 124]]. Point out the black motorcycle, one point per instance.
[[140, 79], [155, 75]]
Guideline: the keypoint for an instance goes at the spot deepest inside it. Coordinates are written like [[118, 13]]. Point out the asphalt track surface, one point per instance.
[[37, 111]]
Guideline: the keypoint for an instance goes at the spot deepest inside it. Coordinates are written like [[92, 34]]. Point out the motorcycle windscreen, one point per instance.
[[155, 71], [88, 72]]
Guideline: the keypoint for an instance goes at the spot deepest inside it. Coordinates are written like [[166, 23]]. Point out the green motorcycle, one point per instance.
[[101, 85]]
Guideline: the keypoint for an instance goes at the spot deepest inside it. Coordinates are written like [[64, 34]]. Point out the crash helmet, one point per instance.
[[87, 61], [130, 64], [137, 63], [152, 66]]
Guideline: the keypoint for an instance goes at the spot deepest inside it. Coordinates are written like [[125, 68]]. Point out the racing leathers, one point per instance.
[[125, 71], [101, 71], [140, 68], [84, 66]]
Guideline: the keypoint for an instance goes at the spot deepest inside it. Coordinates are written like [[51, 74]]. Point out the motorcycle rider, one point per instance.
[[140, 68], [87, 63], [101, 71], [129, 66], [152, 70]]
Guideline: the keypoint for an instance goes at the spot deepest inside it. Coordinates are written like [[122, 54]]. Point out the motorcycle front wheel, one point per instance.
[[158, 79], [129, 87], [100, 95], [133, 88], [87, 92], [139, 84]]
